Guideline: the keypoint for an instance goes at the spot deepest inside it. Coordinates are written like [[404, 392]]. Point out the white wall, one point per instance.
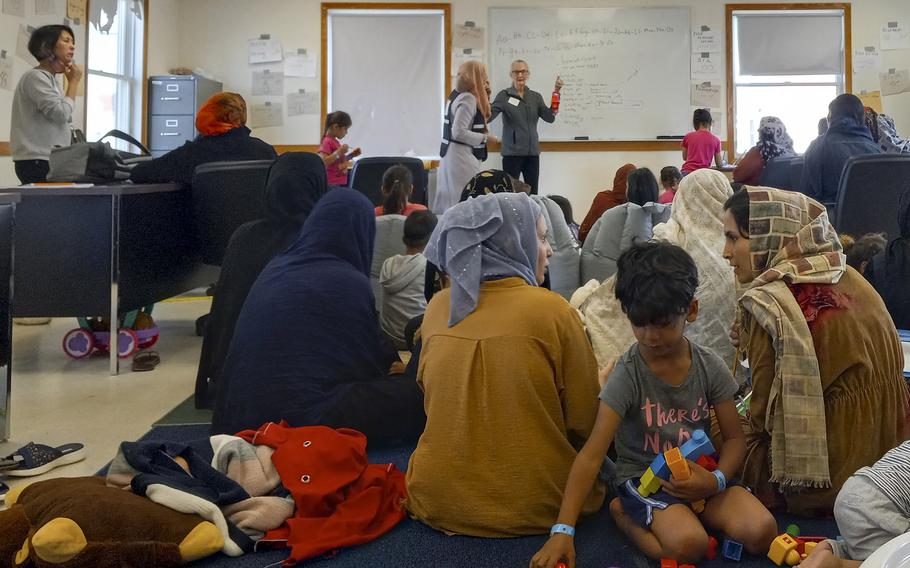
[[213, 35], [164, 36]]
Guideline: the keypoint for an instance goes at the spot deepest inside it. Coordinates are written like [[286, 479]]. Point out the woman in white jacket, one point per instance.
[[464, 134]]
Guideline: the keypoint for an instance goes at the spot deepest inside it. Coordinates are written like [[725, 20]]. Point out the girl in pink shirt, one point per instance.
[[669, 182], [700, 146], [333, 152]]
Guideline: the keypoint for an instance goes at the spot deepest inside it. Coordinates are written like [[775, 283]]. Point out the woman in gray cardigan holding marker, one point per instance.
[[520, 108]]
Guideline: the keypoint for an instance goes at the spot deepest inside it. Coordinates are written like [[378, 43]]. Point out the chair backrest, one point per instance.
[[778, 172], [225, 196], [565, 262], [869, 192], [616, 230], [366, 177], [388, 243]]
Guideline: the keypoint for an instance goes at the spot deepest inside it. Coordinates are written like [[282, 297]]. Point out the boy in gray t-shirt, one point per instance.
[[660, 391]]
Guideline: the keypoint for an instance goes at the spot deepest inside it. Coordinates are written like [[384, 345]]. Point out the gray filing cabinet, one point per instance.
[[173, 101]]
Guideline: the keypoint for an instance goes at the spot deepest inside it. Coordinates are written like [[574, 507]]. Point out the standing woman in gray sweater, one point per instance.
[[41, 113], [520, 108]]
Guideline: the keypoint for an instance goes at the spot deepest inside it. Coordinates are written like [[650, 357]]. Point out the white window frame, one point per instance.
[[130, 75], [331, 9], [842, 81]]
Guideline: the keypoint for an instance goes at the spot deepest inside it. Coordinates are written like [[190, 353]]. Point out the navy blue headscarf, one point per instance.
[[308, 328]]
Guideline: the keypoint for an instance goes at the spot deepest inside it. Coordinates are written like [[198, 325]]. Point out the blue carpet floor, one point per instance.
[[412, 544]]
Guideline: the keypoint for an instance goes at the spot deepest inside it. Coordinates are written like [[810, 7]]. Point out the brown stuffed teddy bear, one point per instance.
[[80, 522]]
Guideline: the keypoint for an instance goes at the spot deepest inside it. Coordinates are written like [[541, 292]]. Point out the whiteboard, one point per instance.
[[55, 13], [626, 70]]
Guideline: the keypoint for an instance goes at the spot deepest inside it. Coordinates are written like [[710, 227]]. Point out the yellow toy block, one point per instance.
[[649, 483], [809, 547], [678, 465], [783, 549]]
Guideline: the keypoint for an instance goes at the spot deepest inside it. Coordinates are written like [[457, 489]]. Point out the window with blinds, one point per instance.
[[386, 68], [788, 64]]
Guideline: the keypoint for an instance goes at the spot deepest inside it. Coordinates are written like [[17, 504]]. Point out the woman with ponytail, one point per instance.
[[397, 185]]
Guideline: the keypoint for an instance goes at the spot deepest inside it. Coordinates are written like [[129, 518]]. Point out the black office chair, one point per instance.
[[366, 177], [225, 196], [778, 173], [868, 194]]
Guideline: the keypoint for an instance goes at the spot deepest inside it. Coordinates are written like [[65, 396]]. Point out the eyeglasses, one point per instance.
[[521, 72]]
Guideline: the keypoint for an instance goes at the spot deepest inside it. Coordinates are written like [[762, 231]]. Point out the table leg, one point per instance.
[[115, 284], [7, 223]]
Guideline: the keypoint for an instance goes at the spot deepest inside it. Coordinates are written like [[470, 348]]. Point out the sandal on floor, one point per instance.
[[146, 361], [6, 464], [4, 489], [36, 459]]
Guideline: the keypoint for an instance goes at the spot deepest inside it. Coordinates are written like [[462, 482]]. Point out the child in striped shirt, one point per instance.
[[872, 508]]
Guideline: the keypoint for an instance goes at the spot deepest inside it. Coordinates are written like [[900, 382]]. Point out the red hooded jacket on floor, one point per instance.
[[341, 499]]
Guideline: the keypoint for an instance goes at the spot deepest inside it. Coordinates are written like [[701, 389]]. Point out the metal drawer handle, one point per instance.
[[170, 98], [169, 134]]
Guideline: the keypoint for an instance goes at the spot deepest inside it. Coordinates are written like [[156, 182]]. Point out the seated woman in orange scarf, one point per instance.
[[223, 136]]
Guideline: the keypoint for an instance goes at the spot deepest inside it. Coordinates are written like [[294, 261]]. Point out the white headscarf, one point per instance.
[[696, 225]]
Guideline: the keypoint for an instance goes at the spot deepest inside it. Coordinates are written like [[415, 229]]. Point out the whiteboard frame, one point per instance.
[[598, 145]]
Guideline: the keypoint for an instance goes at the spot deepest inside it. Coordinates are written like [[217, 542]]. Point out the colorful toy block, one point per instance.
[[648, 484], [793, 530], [668, 563], [678, 465], [809, 547], [711, 553], [697, 446], [687, 566], [783, 550], [732, 550], [707, 462]]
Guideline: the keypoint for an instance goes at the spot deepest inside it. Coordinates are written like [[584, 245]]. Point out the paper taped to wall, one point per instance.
[[895, 35], [866, 59], [303, 103], [45, 7], [705, 95], [705, 41], [267, 84], [299, 64], [895, 81], [6, 72], [264, 50], [706, 66], [468, 37], [75, 10], [14, 8], [460, 56], [267, 114], [25, 32]]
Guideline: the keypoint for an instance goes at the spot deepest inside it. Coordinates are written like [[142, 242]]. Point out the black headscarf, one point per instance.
[[296, 182], [846, 106], [486, 182]]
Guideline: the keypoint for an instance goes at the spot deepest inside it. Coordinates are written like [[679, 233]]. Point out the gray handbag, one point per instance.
[[95, 162]]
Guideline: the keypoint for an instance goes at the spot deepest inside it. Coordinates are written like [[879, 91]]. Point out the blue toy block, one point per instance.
[[732, 550], [660, 468], [697, 446]]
